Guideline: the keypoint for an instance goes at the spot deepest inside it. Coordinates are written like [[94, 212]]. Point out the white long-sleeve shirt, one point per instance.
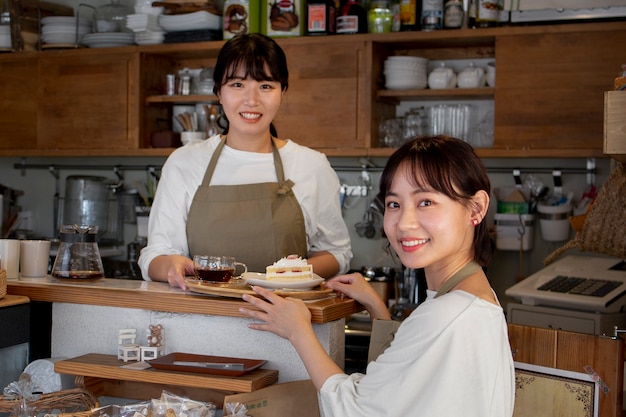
[[450, 357], [316, 189]]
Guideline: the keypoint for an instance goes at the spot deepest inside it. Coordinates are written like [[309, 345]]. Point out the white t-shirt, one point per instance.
[[316, 189], [450, 357]]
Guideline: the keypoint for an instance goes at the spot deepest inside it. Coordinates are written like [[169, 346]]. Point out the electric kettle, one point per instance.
[[78, 256]]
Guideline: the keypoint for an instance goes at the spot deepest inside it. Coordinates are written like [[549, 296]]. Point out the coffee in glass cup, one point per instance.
[[216, 268]]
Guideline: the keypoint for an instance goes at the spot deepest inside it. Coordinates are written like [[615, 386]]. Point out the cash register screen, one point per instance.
[[577, 282]]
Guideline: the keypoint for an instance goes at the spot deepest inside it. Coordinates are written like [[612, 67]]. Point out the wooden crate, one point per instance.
[[25, 21]]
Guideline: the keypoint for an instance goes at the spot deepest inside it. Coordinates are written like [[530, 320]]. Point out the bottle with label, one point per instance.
[[453, 14], [283, 18], [410, 15], [488, 12], [320, 17], [351, 18], [432, 15], [394, 6], [240, 16]]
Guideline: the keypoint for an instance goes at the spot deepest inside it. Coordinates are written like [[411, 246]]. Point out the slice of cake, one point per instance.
[[290, 268]]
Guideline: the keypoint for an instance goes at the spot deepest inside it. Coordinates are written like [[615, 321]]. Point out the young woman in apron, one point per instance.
[[246, 193], [451, 356]]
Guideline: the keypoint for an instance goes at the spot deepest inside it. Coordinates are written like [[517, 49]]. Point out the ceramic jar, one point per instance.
[[442, 77], [471, 77]]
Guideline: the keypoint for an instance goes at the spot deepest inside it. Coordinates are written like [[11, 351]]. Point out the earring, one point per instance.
[[475, 222]]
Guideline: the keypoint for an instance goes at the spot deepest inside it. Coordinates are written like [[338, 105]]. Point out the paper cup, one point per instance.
[[554, 222], [10, 257], [34, 258]]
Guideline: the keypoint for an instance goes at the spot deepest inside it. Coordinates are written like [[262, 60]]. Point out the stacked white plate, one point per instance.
[[62, 30], [108, 39], [142, 22], [406, 72], [149, 37], [190, 21], [5, 36]]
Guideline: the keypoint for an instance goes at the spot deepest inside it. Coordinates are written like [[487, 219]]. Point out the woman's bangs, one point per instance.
[[253, 67]]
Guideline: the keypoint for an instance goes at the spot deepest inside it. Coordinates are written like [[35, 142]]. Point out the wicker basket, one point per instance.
[[76, 402], [3, 283]]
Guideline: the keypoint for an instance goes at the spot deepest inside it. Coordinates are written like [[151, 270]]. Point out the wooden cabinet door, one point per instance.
[[18, 102], [328, 101], [550, 88], [88, 100]]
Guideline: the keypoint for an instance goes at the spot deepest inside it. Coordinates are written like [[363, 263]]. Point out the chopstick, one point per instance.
[[188, 122]]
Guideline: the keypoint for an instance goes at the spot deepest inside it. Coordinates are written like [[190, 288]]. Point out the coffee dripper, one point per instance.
[[78, 256]]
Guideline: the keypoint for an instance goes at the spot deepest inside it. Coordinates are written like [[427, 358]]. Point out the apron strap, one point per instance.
[[283, 186], [455, 279]]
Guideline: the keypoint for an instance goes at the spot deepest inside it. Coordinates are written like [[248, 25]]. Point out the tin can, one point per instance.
[[184, 85], [170, 84]]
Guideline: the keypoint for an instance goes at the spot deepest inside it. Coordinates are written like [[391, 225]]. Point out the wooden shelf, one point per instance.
[[448, 94], [109, 367], [102, 375], [194, 98]]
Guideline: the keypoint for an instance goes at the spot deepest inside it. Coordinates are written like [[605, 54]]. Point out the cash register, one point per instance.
[[576, 293]]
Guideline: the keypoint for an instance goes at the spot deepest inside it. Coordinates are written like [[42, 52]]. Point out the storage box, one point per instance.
[[514, 231], [296, 398]]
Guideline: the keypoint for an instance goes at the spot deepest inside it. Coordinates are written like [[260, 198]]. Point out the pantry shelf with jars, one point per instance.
[[547, 99]]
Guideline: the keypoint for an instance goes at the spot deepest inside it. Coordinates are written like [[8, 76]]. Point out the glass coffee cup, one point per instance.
[[216, 268]]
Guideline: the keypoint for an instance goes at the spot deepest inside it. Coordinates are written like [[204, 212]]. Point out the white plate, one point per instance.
[[258, 278]]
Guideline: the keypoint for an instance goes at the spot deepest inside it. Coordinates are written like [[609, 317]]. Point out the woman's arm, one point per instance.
[[289, 318], [324, 264], [357, 288], [171, 269]]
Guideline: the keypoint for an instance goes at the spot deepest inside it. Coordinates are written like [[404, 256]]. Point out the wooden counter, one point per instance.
[[156, 296], [88, 315]]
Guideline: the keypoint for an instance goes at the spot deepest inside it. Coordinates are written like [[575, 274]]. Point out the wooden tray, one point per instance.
[[167, 363], [237, 289]]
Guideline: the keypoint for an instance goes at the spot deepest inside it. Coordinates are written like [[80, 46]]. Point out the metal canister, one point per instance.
[[170, 84], [184, 85]]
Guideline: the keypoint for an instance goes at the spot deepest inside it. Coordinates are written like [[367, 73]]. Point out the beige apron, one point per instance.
[[256, 223]]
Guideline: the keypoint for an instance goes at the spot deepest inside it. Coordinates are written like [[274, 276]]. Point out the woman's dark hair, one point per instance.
[[446, 165], [261, 59]]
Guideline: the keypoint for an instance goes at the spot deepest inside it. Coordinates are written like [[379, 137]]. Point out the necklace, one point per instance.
[[459, 276]]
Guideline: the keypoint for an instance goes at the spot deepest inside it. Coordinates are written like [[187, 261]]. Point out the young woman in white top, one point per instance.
[[451, 356], [246, 193]]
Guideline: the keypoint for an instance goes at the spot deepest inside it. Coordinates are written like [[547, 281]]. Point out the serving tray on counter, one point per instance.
[[168, 363], [237, 288]]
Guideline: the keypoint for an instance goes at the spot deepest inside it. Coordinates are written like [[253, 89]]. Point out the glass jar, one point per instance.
[[380, 17], [112, 17]]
